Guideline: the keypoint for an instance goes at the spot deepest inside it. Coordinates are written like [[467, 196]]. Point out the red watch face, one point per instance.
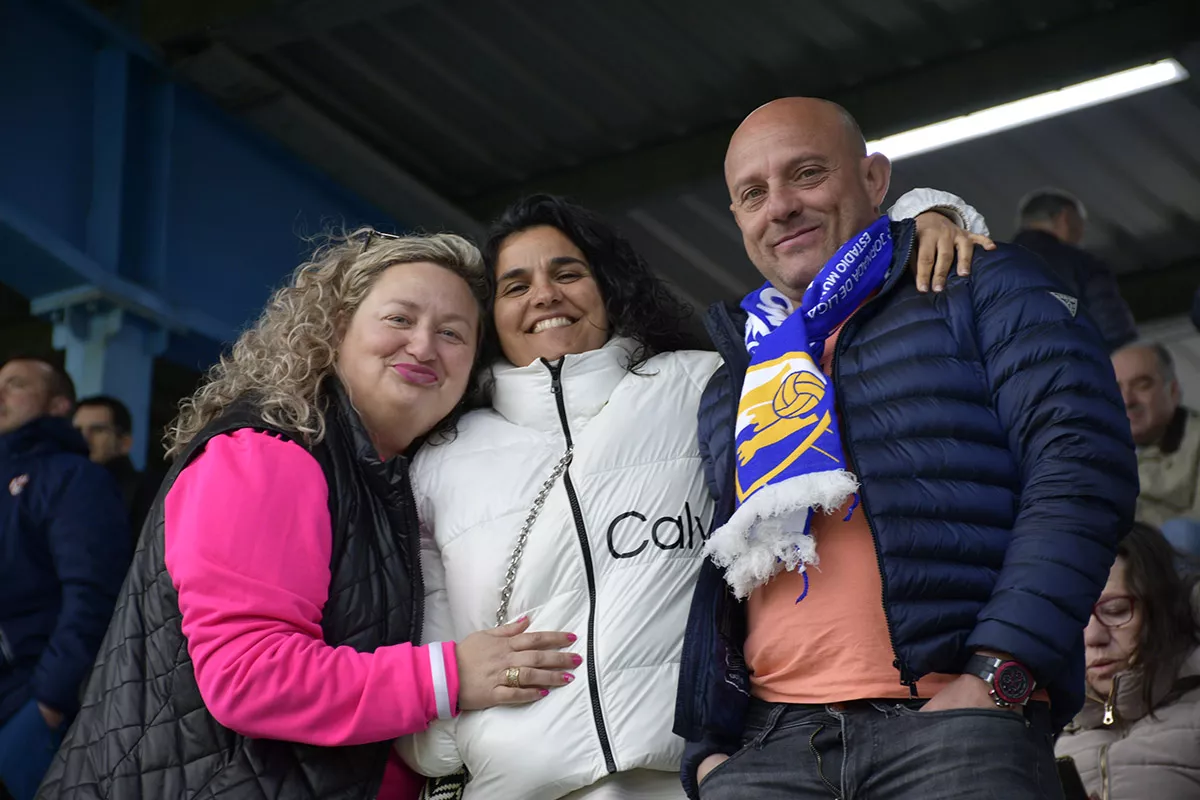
[[1012, 683]]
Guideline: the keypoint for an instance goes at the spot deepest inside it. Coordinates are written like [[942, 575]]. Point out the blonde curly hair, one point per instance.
[[282, 360]]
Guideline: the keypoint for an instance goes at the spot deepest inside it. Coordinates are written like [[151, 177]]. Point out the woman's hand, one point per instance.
[[485, 657], [938, 241]]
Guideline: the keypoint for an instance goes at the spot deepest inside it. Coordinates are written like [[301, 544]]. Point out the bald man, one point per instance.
[[956, 462]]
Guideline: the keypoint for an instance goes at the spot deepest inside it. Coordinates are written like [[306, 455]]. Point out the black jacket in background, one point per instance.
[[1090, 280], [137, 491]]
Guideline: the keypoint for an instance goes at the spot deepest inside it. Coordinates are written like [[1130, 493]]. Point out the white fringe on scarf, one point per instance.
[[766, 533]]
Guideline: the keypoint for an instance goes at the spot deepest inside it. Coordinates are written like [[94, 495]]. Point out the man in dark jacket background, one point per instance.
[[107, 425], [64, 548], [1052, 224], [938, 643]]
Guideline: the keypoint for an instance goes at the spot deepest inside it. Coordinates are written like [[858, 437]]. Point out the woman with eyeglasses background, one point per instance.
[[1138, 735]]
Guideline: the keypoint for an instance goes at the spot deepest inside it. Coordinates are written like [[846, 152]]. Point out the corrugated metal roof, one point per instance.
[[473, 95], [627, 104]]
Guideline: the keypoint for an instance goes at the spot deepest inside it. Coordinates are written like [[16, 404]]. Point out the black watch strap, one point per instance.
[[1010, 681]]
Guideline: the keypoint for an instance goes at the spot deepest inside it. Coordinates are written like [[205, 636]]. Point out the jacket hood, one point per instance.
[[43, 436]]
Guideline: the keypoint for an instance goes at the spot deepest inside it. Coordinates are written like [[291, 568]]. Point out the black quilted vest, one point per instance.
[[144, 731]]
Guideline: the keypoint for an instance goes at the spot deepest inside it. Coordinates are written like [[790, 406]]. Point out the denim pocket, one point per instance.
[[973, 712]]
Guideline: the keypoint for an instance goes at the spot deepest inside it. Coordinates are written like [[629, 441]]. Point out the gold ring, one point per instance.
[[512, 677]]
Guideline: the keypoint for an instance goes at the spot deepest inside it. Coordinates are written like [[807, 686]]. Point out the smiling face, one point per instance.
[[800, 186], [1111, 648], [406, 355], [547, 303]]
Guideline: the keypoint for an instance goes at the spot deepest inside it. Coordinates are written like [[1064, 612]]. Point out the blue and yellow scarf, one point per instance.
[[789, 452]]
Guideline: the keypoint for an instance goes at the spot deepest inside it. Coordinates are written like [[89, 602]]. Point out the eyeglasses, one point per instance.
[[1115, 611]]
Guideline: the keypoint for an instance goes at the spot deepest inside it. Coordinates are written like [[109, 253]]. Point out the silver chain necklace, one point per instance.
[[511, 576]]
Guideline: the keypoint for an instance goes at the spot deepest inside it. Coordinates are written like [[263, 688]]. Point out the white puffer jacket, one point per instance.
[[612, 557]]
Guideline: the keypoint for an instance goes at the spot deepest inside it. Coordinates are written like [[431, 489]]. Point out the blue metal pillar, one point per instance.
[[110, 100], [109, 351]]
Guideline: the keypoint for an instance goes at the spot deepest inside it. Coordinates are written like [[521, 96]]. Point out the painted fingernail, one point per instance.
[[544, 692], [572, 637], [522, 619], [568, 677], [577, 660]]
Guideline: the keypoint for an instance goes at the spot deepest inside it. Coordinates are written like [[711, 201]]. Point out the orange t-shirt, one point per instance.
[[832, 646]]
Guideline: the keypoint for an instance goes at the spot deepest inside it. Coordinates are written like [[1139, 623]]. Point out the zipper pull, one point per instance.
[[1110, 715], [555, 375]]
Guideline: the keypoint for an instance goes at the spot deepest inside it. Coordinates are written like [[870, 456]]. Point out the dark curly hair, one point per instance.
[[1152, 574], [639, 304]]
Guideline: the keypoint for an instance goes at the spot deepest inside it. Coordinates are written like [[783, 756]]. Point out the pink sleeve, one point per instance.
[[248, 545]]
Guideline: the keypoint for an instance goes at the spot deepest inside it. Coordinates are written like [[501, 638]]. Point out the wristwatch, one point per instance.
[[1011, 682]]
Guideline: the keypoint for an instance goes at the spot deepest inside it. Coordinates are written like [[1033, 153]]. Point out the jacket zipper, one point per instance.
[[6, 650], [906, 677], [1110, 705], [588, 568], [1104, 772], [410, 509]]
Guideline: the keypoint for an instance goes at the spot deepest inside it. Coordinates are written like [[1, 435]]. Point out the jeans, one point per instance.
[[27, 746], [888, 749]]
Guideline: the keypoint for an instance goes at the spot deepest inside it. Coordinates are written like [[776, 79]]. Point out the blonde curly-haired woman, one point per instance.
[[265, 643]]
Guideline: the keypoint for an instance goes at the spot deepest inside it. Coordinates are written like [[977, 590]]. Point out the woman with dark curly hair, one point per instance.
[[577, 499]]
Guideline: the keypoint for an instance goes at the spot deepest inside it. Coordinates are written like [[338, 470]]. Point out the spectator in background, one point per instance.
[[1167, 435], [62, 536], [1136, 735], [107, 425], [1051, 224]]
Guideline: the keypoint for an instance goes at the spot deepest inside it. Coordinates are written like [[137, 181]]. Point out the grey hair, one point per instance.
[[1166, 362], [282, 360]]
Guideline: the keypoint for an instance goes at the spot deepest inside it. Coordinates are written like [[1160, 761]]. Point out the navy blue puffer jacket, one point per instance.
[[997, 472], [64, 546]]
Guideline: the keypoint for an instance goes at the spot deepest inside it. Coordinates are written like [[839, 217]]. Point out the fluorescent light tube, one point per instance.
[[1031, 109]]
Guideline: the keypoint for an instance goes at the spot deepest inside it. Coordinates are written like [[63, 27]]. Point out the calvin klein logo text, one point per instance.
[[631, 533]]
